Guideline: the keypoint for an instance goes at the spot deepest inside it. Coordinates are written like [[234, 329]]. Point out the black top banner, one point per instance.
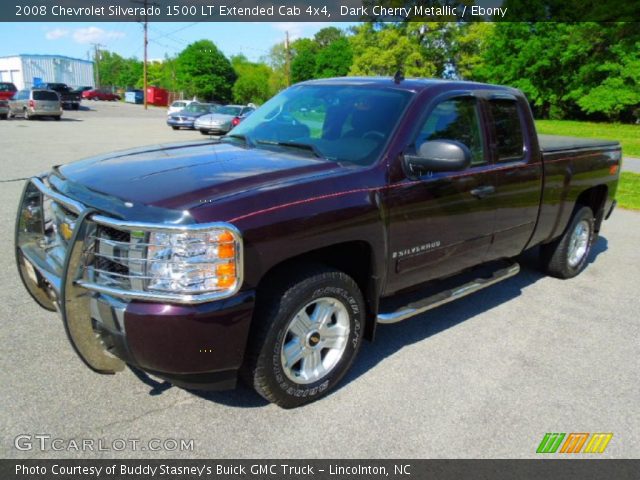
[[318, 10]]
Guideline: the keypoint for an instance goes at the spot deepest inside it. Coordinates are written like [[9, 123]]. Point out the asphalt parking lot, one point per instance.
[[485, 377]]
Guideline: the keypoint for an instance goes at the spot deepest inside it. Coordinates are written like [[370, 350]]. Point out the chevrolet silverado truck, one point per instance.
[[272, 252], [69, 98]]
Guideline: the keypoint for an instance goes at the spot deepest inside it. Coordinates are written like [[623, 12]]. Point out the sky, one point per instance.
[[253, 39]]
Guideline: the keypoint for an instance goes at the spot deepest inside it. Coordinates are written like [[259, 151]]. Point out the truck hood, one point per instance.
[[182, 176]]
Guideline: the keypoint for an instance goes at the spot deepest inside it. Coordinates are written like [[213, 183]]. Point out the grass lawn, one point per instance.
[[628, 194], [628, 135]]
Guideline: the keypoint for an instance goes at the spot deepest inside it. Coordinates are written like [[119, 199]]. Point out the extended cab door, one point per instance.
[[441, 223], [518, 174]]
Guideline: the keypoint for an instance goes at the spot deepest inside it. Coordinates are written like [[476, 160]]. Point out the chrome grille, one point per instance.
[[118, 258]]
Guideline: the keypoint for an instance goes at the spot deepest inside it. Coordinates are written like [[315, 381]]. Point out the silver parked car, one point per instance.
[[35, 103], [223, 119]]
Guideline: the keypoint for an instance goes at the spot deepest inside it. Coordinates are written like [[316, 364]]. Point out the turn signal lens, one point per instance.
[[225, 270], [226, 250]]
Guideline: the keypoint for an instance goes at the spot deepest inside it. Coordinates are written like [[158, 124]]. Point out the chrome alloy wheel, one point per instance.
[[578, 243], [315, 340]]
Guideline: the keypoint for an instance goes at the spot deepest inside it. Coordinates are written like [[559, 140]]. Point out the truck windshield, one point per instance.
[[345, 123]]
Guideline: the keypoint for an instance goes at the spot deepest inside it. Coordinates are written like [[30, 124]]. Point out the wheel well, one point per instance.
[[594, 198], [353, 258]]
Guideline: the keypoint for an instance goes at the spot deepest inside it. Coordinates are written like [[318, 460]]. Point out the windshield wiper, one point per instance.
[[299, 145], [239, 136]]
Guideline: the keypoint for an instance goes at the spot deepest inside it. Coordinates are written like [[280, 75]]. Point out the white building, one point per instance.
[[25, 71]]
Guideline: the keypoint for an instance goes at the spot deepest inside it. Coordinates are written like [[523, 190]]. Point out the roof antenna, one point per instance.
[[398, 77]]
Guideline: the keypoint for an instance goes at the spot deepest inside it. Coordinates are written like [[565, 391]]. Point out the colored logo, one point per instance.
[[574, 442]]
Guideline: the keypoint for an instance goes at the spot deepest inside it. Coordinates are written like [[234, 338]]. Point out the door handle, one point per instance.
[[482, 192]]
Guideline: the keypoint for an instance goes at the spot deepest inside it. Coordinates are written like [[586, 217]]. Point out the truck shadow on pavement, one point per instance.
[[392, 338]]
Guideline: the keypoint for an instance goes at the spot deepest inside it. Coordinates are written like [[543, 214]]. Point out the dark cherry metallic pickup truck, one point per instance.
[[273, 251]]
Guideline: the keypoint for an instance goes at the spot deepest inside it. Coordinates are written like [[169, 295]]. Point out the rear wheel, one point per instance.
[[4, 116], [567, 256], [307, 335]]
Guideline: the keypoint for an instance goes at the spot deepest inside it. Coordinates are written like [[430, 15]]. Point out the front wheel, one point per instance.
[[306, 336], [567, 256]]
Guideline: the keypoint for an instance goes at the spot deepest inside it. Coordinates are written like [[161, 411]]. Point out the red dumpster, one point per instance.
[[157, 96]]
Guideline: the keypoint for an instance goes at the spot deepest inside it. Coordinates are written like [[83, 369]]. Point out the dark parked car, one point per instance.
[[340, 204], [4, 109], [35, 103], [186, 117], [97, 94], [83, 89], [7, 90], [69, 98], [223, 119]]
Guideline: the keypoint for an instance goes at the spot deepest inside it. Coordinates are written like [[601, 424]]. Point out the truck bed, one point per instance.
[[556, 143]]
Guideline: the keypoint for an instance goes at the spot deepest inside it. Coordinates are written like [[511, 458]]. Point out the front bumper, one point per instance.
[[194, 346], [212, 128], [186, 123]]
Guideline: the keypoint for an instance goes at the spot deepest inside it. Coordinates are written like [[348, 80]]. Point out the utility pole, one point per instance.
[[145, 4], [287, 64], [96, 59]]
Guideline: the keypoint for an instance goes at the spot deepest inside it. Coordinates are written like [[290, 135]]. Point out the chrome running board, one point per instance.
[[433, 301]]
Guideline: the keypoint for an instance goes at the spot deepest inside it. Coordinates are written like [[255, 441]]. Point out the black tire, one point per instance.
[[4, 116], [175, 128], [57, 117], [555, 256], [276, 310]]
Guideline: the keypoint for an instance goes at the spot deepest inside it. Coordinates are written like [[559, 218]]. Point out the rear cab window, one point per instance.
[[507, 129]]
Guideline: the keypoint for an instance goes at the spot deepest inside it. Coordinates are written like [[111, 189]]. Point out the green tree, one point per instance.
[[385, 51], [326, 36], [335, 59], [202, 70], [276, 59], [568, 70], [303, 64], [252, 85], [116, 71]]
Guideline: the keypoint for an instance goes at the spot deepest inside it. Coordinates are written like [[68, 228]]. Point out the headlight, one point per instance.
[[193, 262]]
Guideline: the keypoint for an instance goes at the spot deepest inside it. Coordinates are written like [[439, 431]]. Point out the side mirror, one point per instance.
[[439, 156]]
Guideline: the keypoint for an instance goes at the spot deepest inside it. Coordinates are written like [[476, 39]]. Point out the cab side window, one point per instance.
[[507, 129], [455, 119]]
